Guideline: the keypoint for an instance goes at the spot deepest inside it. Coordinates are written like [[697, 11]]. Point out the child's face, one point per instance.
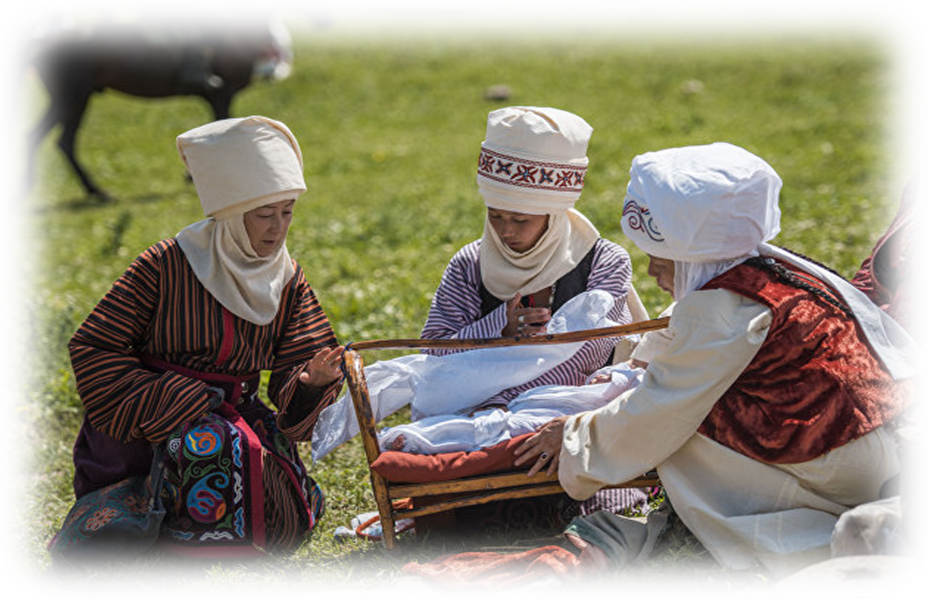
[[519, 231]]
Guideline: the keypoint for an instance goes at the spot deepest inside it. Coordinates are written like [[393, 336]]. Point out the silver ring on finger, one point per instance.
[[544, 457], [521, 319]]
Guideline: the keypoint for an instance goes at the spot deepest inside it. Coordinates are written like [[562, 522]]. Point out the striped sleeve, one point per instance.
[[455, 309], [121, 398], [306, 332]]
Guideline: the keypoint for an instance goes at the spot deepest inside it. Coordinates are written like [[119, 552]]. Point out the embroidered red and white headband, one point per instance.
[[533, 159]]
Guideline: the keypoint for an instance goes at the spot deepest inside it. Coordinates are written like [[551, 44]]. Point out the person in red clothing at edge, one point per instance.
[[770, 411], [893, 276], [172, 355]]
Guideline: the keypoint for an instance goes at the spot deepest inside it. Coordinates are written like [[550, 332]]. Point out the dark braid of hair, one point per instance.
[[813, 261], [797, 280]]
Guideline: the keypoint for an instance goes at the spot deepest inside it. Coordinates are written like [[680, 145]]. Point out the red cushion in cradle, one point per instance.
[[405, 467]]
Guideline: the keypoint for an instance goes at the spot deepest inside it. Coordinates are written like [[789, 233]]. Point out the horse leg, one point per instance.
[[38, 133], [66, 142], [221, 104]]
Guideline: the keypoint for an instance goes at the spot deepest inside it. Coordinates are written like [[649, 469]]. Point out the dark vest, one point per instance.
[[813, 386], [570, 285]]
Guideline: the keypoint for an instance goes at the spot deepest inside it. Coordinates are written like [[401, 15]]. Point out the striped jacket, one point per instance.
[[159, 308]]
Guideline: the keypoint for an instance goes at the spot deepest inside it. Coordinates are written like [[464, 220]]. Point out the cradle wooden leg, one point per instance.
[[357, 386], [385, 508]]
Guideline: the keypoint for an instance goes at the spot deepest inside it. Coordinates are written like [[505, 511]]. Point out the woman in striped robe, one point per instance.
[[174, 351], [537, 252]]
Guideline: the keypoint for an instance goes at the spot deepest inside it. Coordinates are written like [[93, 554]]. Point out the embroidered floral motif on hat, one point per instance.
[[524, 173]]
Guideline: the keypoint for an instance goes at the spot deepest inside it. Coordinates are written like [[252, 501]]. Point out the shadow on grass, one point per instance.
[[676, 559], [93, 202]]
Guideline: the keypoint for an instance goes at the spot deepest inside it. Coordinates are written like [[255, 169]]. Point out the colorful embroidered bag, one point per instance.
[[121, 520], [214, 485]]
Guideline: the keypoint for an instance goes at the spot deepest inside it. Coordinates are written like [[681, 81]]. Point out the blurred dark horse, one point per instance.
[[73, 67]]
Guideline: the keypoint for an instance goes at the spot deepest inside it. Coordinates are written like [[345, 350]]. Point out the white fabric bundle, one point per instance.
[[526, 413], [448, 384], [873, 528]]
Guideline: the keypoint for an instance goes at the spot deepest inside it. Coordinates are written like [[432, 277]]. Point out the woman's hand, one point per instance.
[[524, 320], [543, 448], [324, 367]]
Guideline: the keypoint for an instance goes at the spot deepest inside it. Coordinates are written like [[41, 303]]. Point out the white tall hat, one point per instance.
[[533, 159], [701, 204], [242, 163]]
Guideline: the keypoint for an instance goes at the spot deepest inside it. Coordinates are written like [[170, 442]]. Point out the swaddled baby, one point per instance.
[[528, 411], [524, 414]]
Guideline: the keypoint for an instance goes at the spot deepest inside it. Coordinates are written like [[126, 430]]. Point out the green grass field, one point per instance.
[[390, 134]]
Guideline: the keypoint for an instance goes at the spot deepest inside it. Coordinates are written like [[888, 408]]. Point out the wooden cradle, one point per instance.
[[433, 497]]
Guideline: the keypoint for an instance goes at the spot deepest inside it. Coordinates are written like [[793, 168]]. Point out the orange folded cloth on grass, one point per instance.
[[493, 572]]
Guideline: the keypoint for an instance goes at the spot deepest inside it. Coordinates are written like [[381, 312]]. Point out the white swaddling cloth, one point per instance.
[[449, 384], [526, 413]]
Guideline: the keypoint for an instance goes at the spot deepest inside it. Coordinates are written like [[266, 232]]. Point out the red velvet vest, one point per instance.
[[813, 386]]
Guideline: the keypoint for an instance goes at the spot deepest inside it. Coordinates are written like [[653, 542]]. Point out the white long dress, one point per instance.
[[743, 511]]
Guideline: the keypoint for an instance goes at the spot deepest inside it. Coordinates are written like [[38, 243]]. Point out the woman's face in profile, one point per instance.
[[267, 226], [663, 271], [519, 231]]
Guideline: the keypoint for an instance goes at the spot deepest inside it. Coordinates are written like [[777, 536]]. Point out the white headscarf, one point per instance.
[[709, 208], [238, 165], [533, 161]]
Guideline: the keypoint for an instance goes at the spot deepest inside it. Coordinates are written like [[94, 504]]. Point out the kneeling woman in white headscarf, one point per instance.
[[172, 355], [766, 416]]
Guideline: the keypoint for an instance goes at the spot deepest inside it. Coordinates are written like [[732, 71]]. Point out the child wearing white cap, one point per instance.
[[537, 251], [171, 357]]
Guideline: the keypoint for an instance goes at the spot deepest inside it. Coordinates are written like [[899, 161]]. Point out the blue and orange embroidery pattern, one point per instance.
[[211, 488], [204, 500], [214, 481]]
